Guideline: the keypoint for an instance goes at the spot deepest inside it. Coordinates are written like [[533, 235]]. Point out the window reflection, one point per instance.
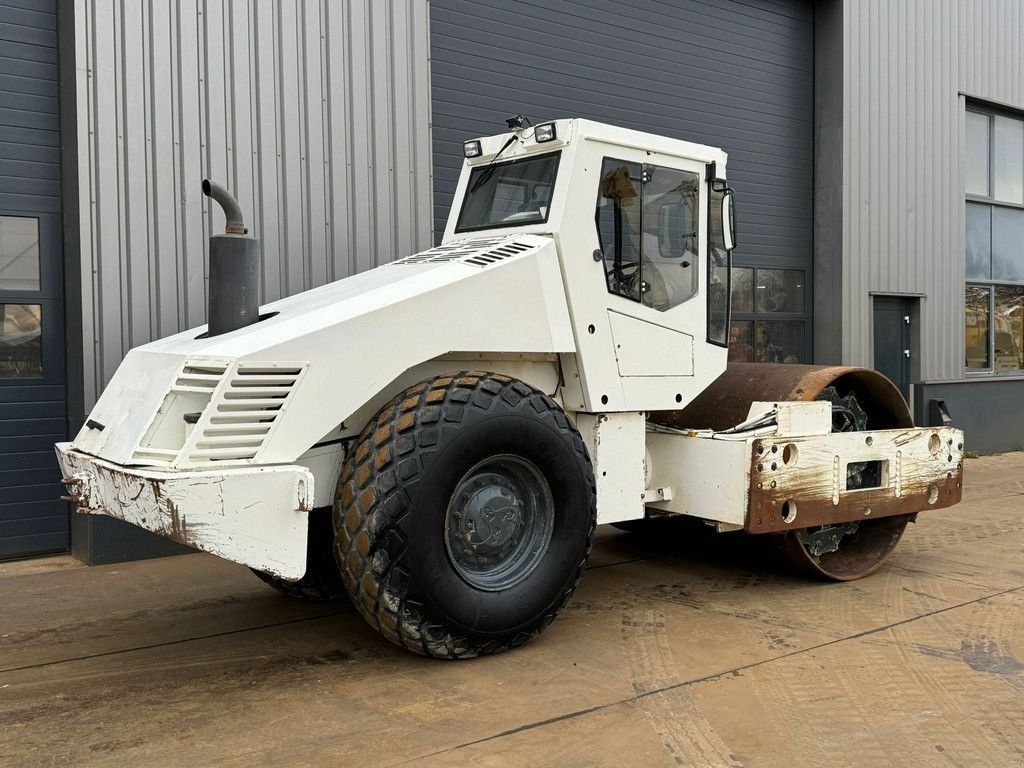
[[1007, 237], [742, 289], [979, 241], [977, 153], [976, 323], [779, 341], [1008, 328], [741, 341], [19, 254], [20, 348], [1008, 160], [648, 229], [780, 290]]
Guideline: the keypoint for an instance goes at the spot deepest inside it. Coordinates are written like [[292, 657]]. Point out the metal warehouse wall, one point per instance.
[[908, 67], [737, 75], [316, 115]]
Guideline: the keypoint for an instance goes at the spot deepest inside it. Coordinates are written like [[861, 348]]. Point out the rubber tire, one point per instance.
[[322, 581], [393, 494]]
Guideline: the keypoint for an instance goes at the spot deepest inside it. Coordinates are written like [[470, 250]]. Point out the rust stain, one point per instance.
[[178, 530], [811, 491], [727, 401]]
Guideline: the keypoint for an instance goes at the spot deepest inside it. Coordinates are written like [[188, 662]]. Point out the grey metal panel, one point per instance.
[[828, 182], [987, 410], [906, 65], [33, 411], [316, 115], [738, 75]]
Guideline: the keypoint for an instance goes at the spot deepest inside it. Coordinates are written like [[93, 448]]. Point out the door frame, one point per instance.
[[912, 307]]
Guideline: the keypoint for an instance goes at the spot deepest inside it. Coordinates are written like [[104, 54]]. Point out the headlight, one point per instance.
[[472, 149], [544, 132]]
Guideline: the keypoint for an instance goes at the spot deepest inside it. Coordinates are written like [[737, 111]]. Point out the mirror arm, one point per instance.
[[717, 184]]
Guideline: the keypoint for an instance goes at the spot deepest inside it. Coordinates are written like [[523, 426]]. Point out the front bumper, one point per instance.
[[256, 516]]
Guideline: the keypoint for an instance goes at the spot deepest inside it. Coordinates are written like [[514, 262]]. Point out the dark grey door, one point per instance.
[[33, 410], [892, 340]]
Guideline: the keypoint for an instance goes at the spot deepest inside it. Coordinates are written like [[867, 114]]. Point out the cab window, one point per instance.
[[509, 194], [647, 225]]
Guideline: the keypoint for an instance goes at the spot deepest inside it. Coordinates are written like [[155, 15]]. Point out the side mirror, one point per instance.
[[728, 221]]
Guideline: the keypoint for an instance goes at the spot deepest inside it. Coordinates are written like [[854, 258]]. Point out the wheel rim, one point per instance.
[[499, 522]]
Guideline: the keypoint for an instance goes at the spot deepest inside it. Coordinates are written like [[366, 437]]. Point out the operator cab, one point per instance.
[[644, 231]]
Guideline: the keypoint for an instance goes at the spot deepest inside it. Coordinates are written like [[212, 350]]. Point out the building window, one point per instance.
[[19, 253], [994, 243], [769, 317], [20, 333]]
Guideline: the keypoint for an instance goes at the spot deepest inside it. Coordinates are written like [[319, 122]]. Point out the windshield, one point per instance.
[[510, 194]]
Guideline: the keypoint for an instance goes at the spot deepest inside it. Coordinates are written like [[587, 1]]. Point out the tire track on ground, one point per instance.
[[715, 676], [995, 720], [687, 735]]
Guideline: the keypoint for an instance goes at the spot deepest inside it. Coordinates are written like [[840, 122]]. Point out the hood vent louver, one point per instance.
[[477, 253]]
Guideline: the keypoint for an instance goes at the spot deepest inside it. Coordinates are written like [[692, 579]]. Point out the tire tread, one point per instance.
[[374, 496]]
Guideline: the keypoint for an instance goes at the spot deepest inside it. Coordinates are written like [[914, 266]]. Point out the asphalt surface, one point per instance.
[[694, 651]]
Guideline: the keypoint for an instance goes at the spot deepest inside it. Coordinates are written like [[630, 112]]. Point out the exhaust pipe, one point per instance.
[[234, 268]]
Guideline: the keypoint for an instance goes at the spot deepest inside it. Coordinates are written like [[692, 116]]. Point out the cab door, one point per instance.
[[651, 224]]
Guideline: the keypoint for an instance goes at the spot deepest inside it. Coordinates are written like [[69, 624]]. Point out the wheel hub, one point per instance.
[[489, 516], [499, 522]]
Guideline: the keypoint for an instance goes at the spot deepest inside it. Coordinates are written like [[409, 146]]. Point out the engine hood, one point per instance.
[[267, 392]]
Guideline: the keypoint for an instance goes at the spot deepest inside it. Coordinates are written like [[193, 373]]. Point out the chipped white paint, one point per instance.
[[530, 301], [712, 479], [708, 478], [257, 517], [909, 462], [354, 338], [615, 442], [798, 418]]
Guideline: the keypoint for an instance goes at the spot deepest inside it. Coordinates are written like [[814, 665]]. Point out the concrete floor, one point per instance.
[[669, 654]]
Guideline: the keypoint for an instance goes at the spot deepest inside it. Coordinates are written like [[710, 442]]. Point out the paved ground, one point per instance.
[[669, 654]]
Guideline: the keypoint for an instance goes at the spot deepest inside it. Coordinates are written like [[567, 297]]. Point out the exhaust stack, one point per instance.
[[234, 268]]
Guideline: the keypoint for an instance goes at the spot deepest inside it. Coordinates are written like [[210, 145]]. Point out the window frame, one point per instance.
[[805, 317], [989, 284], [40, 287]]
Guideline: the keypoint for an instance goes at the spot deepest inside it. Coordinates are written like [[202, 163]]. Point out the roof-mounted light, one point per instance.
[[545, 132], [472, 149]]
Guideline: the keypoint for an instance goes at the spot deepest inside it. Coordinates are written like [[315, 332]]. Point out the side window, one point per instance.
[[647, 224]]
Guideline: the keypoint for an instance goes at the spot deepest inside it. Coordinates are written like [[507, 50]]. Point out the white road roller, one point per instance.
[[439, 437]]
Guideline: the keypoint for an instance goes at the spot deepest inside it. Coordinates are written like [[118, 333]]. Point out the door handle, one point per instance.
[[906, 353]]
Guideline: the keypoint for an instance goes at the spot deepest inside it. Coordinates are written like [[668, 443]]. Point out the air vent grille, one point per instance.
[[239, 420], [218, 413], [478, 253], [497, 254], [199, 379], [452, 252]]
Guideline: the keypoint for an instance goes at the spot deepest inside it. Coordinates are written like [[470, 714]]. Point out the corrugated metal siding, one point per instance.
[[906, 65], [738, 75], [315, 114], [992, 50]]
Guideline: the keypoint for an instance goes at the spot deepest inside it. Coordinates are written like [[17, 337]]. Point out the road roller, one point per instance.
[[437, 439]]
